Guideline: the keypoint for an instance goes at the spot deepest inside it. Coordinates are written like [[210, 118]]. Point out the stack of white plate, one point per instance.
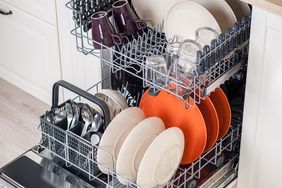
[[182, 17], [139, 149]]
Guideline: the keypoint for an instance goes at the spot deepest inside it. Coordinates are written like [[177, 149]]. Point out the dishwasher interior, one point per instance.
[[64, 159]]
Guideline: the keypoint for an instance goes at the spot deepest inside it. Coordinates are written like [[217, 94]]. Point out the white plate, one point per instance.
[[154, 11], [185, 18], [239, 8], [162, 159], [221, 11], [114, 136], [135, 146], [114, 100]]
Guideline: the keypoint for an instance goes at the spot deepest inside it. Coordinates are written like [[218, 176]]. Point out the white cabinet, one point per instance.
[[261, 144], [29, 52], [83, 71], [43, 9]]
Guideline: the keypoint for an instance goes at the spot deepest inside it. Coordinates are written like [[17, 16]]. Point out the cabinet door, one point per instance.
[[29, 53], [83, 71], [43, 9], [261, 143]]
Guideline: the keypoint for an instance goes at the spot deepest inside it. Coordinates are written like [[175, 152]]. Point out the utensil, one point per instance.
[[161, 159], [135, 146], [96, 124], [153, 11], [126, 21], [114, 136], [172, 111], [223, 110], [103, 32], [87, 117], [76, 114], [221, 11], [184, 18], [155, 69], [95, 138], [70, 114]]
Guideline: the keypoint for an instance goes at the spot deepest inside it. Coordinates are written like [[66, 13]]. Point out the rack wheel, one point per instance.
[[236, 146], [220, 160], [191, 184]]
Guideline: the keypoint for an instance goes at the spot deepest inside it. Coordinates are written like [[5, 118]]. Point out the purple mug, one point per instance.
[[126, 21], [102, 31]]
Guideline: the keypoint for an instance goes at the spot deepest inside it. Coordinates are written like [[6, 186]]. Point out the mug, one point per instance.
[[126, 21], [103, 32]]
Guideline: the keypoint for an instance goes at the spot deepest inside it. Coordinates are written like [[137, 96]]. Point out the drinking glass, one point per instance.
[[204, 35], [126, 21], [155, 69], [181, 73], [171, 53], [103, 32]]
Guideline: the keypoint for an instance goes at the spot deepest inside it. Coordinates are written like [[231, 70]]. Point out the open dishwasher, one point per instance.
[[65, 159]]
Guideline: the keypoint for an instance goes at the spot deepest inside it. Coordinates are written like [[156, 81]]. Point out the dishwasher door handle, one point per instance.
[[5, 13]]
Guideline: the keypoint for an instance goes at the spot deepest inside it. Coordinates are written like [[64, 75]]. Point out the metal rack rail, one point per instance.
[[216, 63], [81, 154]]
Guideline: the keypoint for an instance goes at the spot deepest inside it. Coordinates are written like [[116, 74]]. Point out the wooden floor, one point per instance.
[[19, 119]]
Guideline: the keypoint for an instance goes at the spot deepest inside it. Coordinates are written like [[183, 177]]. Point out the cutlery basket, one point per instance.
[[226, 56], [79, 153]]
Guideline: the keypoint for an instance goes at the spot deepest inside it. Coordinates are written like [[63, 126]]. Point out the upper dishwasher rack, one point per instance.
[[216, 63]]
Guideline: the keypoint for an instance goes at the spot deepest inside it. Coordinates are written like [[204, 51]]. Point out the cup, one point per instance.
[[103, 32], [126, 21], [188, 55], [204, 35], [181, 73], [171, 53], [155, 69]]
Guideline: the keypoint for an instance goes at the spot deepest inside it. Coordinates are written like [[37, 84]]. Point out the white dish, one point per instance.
[[221, 11], [162, 159], [239, 8], [185, 18], [115, 101], [114, 136], [153, 11], [135, 146]]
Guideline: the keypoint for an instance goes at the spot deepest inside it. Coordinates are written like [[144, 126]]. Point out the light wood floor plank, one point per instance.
[[19, 119]]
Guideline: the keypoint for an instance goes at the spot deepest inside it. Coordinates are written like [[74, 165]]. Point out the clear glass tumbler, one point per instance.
[[155, 70], [204, 35]]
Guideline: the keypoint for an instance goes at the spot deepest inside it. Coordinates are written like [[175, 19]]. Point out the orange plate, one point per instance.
[[172, 111], [223, 110], [212, 123]]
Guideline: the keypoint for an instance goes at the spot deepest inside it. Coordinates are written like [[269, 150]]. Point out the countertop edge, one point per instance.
[[266, 5]]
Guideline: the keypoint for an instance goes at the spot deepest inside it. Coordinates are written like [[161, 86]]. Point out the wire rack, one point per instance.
[[78, 152], [216, 63]]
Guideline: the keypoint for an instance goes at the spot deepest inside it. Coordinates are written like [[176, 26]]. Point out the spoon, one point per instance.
[[87, 116], [96, 123]]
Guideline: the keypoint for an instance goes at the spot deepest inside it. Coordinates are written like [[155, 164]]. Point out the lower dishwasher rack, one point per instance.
[[81, 155]]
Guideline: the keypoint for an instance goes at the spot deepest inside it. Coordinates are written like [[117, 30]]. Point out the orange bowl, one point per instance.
[[223, 110], [172, 111]]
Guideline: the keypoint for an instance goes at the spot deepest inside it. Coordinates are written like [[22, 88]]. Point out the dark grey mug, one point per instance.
[[126, 21], [103, 32]]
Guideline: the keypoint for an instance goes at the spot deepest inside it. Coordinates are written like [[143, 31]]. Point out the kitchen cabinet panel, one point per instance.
[[43, 9], [29, 52], [261, 144]]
